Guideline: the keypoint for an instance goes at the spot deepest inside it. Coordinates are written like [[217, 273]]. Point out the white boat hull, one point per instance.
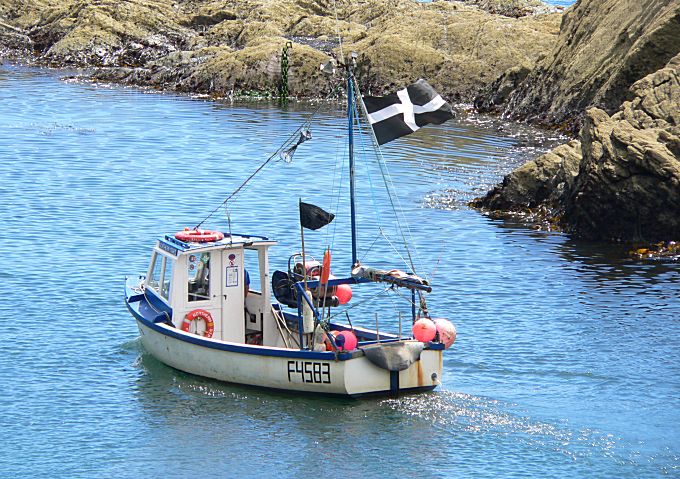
[[285, 369]]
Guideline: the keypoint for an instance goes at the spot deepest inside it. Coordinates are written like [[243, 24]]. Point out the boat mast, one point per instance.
[[350, 121]]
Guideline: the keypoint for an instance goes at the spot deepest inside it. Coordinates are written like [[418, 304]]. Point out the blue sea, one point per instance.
[[567, 363], [560, 3]]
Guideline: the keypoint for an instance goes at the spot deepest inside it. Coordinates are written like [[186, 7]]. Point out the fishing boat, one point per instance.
[[197, 311]]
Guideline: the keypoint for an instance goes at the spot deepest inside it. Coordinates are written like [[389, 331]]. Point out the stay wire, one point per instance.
[[389, 186], [382, 233], [358, 303], [292, 138], [371, 189], [337, 31], [259, 168], [381, 230], [338, 176], [375, 206]]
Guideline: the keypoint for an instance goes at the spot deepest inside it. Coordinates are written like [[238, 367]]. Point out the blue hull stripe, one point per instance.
[[133, 303], [237, 348]]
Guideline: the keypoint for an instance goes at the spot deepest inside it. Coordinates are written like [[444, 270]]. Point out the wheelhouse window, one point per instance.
[[160, 274], [167, 277], [154, 279], [199, 277]]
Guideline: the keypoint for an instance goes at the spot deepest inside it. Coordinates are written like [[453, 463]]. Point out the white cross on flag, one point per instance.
[[404, 112]]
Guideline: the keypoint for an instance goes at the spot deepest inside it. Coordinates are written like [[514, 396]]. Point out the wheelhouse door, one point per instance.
[[233, 284]]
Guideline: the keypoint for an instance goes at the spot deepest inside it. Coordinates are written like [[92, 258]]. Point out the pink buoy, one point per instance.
[[344, 293], [446, 330], [345, 340], [424, 330]]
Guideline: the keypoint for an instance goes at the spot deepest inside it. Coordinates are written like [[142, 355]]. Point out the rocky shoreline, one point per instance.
[[613, 77], [233, 47], [606, 72]]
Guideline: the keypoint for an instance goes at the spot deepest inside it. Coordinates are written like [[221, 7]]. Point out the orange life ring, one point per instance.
[[199, 236], [200, 314]]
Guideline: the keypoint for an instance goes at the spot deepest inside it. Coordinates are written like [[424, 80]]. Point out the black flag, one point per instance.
[[404, 112], [312, 217]]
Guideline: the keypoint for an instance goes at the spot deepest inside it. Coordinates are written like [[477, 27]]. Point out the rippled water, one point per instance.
[[567, 362], [561, 3]]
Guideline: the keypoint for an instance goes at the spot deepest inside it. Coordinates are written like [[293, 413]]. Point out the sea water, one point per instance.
[[567, 362], [560, 3]]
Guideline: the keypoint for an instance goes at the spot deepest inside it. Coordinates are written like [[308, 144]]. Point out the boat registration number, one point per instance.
[[309, 372]]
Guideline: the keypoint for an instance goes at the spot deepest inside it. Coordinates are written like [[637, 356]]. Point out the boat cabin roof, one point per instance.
[[174, 246]]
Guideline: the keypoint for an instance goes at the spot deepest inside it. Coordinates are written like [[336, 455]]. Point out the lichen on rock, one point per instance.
[[604, 47], [458, 47]]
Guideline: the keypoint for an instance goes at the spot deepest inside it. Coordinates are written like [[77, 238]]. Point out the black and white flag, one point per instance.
[[404, 112]]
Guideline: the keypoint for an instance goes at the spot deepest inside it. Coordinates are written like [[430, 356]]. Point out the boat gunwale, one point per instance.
[[240, 348]]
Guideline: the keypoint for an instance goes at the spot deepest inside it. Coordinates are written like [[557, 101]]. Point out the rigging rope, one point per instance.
[[292, 138], [337, 31], [359, 303], [371, 189], [341, 154], [389, 186]]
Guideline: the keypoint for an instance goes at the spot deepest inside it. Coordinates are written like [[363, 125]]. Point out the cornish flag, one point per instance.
[[404, 112]]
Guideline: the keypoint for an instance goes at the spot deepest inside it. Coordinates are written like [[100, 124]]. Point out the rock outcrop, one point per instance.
[[13, 39], [604, 46], [627, 186], [629, 179], [224, 46], [540, 183]]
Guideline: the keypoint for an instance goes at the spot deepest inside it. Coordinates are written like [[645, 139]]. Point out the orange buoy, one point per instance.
[[446, 330], [345, 340], [199, 236], [344, 293], [199, 314], [424, 330]]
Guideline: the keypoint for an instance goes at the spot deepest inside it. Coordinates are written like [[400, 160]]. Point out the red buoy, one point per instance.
[[424, 330]]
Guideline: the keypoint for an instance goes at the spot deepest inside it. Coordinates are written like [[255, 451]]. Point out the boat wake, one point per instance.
[[463, 413]]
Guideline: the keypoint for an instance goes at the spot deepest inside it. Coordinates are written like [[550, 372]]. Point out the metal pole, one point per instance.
[[399, 325], [377, 328], [350, 121], [304, 278], [413, 305]]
